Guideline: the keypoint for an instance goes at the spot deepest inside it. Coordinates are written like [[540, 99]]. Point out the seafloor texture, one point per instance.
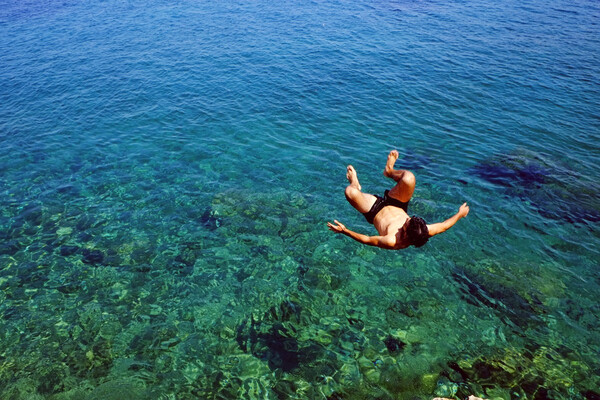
[[244, 297], [167, 172]]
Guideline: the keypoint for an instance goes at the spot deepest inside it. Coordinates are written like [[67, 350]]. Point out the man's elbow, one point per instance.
[[436, 230]]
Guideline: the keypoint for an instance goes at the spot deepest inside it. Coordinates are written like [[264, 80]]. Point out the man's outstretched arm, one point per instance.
[[440, 227], [385, 242]]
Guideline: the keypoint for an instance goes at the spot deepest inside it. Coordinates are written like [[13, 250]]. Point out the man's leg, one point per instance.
[[405, 180], [359, 200]]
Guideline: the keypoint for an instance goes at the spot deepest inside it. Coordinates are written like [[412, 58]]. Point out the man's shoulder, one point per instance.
[[392, 242]]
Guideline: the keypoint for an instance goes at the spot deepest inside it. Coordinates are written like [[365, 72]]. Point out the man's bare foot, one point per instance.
[[389, 166], [352, 177]]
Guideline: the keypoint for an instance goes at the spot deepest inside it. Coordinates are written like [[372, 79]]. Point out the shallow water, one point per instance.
[[167, 170]]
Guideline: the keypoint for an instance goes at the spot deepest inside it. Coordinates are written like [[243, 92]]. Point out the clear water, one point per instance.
[[167, 171]]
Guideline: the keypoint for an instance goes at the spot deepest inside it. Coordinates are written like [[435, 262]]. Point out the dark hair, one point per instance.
[[417, 231]]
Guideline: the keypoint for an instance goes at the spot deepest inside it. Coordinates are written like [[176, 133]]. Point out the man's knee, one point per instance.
[[409, 179], [351, 192]]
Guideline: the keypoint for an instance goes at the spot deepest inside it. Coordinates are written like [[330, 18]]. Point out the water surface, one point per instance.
[[167, 170]]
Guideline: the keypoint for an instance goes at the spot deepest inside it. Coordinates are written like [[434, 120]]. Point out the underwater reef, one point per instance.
[[228, 303]]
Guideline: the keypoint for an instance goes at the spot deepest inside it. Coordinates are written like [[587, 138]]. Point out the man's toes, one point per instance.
[[350, 172]]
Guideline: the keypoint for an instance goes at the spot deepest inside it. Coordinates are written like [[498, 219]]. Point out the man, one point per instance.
[[388, 214]]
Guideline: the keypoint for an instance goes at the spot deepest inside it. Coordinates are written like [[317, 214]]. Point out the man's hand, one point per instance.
[[337, 228], [463, 210]]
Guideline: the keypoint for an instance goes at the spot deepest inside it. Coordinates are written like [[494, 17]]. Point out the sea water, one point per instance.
[[167, 170]]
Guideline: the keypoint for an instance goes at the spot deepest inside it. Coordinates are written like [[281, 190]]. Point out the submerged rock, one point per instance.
[[84, 222], [31, 275], [70, 288], [119, 390], [275, 339], [9, 247], [183, 263], [529, 374], [209, 219], [394, 345], [32, 213], [64, 231], [92, 256], [67, 250], [556, 191], [84, 237], [478, 290], [513, 171]]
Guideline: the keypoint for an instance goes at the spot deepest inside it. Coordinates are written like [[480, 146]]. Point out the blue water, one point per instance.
[[167, 171]]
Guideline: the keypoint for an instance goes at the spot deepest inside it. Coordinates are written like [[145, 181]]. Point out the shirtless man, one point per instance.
[[388, 214]]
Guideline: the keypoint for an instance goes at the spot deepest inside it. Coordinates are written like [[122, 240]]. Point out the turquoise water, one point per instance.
[[167, 172]]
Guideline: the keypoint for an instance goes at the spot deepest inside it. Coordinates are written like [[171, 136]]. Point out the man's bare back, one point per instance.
[[389, 213]]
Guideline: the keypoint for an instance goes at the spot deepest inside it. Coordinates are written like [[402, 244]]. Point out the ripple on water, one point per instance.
[[167, 172]]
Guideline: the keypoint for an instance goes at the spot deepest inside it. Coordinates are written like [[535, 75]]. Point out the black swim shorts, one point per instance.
[[384, 201]]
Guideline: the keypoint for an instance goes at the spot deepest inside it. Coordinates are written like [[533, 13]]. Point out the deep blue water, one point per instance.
[[167, 171]]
